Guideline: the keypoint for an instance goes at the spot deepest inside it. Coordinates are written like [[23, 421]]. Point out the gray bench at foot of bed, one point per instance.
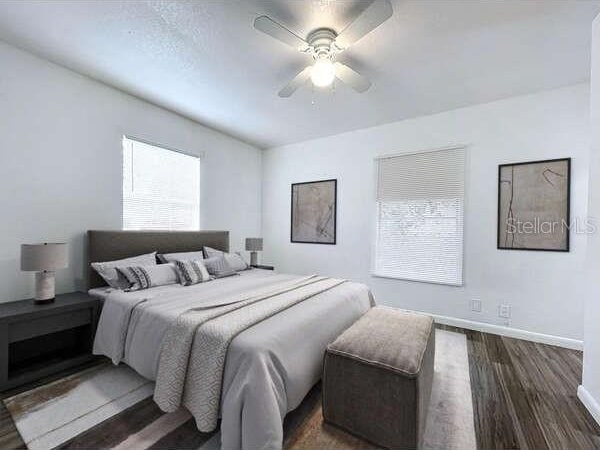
[[377, 377]]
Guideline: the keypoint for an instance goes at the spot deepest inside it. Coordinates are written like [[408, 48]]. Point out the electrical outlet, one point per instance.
[[475, 305], [504, 311]]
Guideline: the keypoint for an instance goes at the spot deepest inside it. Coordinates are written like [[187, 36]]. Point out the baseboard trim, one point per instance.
[[510, 332], [589, 402]]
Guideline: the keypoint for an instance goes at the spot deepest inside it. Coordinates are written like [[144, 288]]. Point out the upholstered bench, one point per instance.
[[377, 377]]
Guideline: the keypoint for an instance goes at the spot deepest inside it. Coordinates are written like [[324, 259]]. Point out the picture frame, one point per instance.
[[314, 212], [534, 205]]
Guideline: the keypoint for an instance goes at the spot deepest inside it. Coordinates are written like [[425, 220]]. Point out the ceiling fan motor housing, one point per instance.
[[321, 41]]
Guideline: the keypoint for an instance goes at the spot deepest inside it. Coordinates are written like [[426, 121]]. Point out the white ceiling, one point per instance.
[[204, 60]]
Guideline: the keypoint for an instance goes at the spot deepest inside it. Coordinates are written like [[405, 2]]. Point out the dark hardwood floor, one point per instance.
[[524, 397]]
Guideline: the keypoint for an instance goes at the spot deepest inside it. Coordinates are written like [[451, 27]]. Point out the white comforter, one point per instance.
[[269, 367]]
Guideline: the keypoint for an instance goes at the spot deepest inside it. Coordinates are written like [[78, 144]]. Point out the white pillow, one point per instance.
[[181, 256], [144, 277], [108, 269], [235, 260]]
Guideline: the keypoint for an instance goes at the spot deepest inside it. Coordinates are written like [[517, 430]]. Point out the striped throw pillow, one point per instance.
[[144, 277], [192, 272]]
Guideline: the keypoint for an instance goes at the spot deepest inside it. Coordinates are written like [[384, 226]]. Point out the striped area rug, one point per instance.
[[108, 407], [100, 407]]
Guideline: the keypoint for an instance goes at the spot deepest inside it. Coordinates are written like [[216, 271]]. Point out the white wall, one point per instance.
[[543, 288], [589, 392], [60, 164]]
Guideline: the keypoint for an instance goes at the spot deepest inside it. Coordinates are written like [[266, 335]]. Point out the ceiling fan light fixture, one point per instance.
[[323, 72], [324, 43]]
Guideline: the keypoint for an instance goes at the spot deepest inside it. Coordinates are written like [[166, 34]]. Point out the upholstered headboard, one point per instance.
[[105, 245]]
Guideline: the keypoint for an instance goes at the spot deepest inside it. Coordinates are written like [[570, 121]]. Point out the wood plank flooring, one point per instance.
[[524, 397]]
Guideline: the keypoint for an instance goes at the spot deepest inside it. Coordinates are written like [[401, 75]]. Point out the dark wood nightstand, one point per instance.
[[39, 340], [263, 266]]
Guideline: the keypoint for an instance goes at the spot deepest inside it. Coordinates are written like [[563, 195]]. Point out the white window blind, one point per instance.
[[420, 209], [161, 188]]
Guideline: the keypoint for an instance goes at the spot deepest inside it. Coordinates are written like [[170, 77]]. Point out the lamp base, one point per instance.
[[44, 287], [253, 258]]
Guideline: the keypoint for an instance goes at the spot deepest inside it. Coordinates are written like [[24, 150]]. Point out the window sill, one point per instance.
[[440, 283]]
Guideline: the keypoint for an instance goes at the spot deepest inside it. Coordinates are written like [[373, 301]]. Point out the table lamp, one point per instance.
[[44, 259], [254, 245]]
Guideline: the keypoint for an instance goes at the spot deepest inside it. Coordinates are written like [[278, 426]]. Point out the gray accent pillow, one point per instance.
[[218, 267], [181, 256], [210, 252], [144, 277], [108, 269], [192, 272], [235, 260]]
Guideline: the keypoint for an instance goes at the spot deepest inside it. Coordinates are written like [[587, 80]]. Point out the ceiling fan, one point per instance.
[[323, 44]]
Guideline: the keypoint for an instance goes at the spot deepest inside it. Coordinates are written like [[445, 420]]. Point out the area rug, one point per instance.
[[450, 423], [52, 414], [110, 407]]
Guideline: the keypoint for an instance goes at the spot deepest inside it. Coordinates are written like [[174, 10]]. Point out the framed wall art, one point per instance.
[[313, 208], [534, 205]]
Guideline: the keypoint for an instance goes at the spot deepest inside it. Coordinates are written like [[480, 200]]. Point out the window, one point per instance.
[[161, 188], [420, 208]]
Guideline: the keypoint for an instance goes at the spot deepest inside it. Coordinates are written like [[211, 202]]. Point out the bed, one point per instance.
[[245, 349]]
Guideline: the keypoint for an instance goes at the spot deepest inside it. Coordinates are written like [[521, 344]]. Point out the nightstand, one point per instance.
[[263, 266], [40, 340]]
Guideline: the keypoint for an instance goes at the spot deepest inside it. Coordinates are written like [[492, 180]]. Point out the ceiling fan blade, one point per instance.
[[352, 78], [298, 81], [378, 12], [279, 32]]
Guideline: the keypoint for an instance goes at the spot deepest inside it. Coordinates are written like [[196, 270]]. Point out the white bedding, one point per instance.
[[100, 293], [269, 367]]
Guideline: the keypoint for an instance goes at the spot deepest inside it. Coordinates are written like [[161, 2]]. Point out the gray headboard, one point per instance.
[[106, 245]]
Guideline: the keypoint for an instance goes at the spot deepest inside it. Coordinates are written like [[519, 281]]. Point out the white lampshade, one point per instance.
[[254, 244], [46, 256]]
